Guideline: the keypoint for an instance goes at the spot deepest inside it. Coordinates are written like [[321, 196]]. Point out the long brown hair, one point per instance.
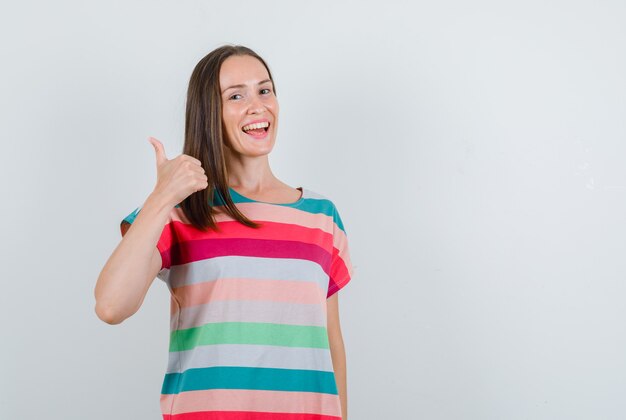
[[204, 138]]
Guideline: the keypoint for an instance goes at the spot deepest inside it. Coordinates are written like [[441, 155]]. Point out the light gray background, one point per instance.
[[475, 152]]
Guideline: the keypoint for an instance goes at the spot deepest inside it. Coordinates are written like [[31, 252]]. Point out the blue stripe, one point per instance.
[[311, 205], [236, 377]]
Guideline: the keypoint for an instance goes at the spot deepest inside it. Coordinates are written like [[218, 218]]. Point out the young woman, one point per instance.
[[253, 265]]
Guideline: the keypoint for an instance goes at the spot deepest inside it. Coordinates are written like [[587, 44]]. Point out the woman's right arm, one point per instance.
[[127, 275], [132, 267]]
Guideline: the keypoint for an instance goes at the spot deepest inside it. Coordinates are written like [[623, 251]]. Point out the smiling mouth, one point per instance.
[[258, 131]]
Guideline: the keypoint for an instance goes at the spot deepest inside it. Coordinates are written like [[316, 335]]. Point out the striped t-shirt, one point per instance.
[[248, 326]]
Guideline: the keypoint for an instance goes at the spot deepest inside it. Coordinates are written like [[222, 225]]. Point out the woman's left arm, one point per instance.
[[337, 351]]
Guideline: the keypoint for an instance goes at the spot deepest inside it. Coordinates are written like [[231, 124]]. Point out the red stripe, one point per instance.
[[339, 273], [246, 415], [268, 241], [268, 230]]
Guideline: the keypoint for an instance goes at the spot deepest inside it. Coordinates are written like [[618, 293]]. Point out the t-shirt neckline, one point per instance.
[[295, 203]]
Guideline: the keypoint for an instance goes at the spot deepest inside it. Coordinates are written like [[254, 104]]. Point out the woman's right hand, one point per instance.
[[178, 178]]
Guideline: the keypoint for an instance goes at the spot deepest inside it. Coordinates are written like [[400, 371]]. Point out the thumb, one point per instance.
[[159, 150]]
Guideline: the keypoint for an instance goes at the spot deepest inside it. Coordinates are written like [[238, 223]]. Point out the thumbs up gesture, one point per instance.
[[177, 178]]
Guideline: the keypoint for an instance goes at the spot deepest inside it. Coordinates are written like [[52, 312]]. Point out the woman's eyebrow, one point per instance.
[[242, 86]]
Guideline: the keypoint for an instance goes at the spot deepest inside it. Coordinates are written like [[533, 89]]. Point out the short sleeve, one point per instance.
[[341, 266], [164, 245]]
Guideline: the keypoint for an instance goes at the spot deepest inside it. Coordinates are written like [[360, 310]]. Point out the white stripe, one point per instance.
[[252, 355]]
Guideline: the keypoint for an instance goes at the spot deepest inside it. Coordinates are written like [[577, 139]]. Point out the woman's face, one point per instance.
[[251, 99]]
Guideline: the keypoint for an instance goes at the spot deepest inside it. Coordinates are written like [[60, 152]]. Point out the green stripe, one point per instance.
[[249, 333], [237, 377]]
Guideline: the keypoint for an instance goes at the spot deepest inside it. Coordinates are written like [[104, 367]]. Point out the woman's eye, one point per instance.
[[266, 89]]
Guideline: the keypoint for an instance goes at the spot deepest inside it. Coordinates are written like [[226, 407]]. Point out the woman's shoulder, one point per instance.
[[318, 194], [322, 201]]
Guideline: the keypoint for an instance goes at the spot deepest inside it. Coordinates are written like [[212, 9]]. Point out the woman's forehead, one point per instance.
[[242, 70]]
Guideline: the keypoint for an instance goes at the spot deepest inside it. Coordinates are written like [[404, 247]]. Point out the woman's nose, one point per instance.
[[256, 105]]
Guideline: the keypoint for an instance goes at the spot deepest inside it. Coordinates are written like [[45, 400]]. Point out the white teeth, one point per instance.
[[254, 126]]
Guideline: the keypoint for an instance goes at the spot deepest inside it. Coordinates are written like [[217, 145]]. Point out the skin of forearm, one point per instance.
[[338, 355]]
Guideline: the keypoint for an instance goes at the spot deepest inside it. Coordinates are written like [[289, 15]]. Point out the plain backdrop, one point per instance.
[[475, 150]]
